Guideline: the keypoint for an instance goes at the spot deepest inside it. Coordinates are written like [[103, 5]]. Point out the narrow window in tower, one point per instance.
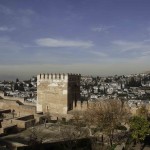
[[47, 108]]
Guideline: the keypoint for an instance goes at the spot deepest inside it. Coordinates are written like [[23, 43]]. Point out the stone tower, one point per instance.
[[57, 93]]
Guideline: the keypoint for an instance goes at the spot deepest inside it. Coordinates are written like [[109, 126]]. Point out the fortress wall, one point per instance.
[[11, 98], [20, 110]]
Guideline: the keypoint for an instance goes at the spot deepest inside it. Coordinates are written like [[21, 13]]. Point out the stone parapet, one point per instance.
[[54, 76]]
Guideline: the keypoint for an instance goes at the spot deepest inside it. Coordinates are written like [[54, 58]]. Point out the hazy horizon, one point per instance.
[[24, 74], [90, 37]]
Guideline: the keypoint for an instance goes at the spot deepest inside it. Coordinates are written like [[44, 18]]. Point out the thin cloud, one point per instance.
[[98, 53], [50, 42], [102, 28], [23, 17], [27, 12], [26, 17], [5, 10], [4, 28], [8, 11], [26, 21], [125, 46], [7, 45], [148, 29]]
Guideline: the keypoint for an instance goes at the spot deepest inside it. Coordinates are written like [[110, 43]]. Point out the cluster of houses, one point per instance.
[[130, 87], [125, 87], [22, 89]]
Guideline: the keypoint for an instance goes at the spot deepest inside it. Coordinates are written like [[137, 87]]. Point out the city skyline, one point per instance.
[[94, 37]]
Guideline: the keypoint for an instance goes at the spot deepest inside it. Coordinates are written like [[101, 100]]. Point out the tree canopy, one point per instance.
[[139, 127]]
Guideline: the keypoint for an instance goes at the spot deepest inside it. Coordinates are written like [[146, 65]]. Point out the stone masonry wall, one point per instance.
[[20, 110], [56, 92]]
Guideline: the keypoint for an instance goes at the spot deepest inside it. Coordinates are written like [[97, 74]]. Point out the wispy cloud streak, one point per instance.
[[5, 10], [102, 28], [125, 46], [4, 28], [50, 42]]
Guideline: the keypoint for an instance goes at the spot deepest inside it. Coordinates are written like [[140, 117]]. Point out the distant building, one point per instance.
[[57, 93]]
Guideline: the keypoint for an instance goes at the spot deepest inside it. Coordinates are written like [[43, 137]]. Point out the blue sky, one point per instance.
[[94, 37]]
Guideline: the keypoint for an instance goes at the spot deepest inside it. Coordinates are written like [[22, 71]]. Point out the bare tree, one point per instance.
[[36, 136], [105, 116], [142, 111], [72, 132], [68, 135]]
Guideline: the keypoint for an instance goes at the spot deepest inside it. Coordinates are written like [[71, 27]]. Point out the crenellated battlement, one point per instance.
[[54, 76]]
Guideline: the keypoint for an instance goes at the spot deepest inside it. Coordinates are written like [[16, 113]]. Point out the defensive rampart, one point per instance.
[[17, 108]]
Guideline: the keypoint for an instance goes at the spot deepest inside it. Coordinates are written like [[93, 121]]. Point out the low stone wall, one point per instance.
[[25, 118], [17, 123], [5, 111], [20, 110], [24, 124], [6, 123], [11, 98], [39, 118]]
